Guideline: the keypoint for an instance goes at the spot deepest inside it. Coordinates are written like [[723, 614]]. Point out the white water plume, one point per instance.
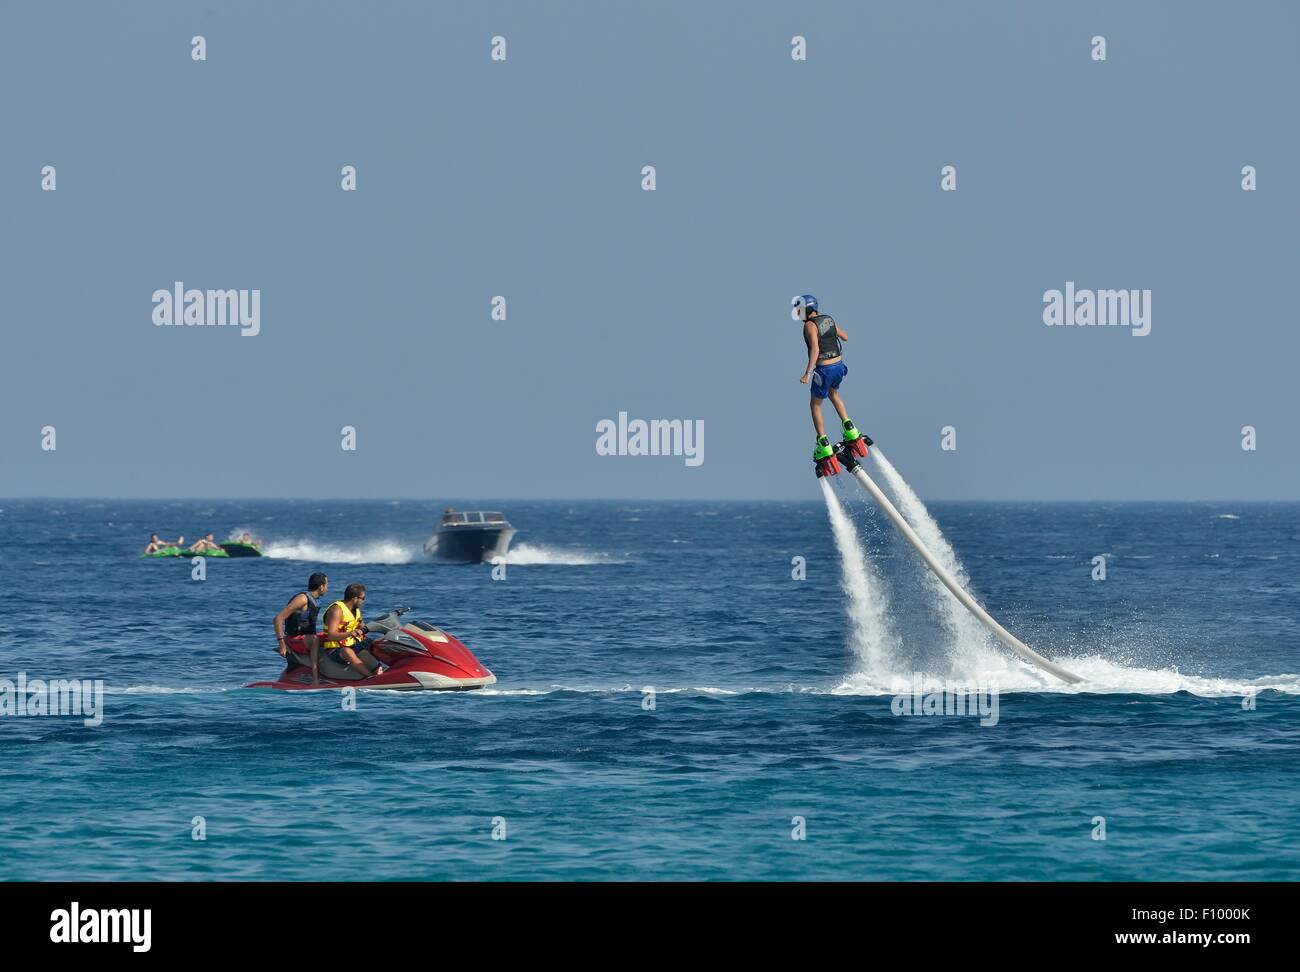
[[868, 605], [971, 641]]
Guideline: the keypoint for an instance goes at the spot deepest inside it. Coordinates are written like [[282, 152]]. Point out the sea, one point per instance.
[[686, 691]]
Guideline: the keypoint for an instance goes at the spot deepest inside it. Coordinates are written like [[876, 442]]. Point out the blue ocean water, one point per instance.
[[764, 710]]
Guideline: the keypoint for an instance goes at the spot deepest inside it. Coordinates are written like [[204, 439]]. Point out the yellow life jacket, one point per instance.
[[350, 623]]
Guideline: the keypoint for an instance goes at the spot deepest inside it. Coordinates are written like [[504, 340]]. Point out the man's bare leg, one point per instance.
[[855, 441], [357, 664], [839, 406], [313, 648], [816, 405]]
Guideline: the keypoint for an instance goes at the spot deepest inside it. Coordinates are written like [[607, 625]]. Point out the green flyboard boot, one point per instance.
[[855, 441], [825, 461]]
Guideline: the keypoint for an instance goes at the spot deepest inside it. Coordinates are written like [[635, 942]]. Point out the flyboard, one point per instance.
[[847, 457]]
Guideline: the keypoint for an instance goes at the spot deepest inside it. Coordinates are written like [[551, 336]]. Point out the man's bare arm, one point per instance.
[[297, 604]]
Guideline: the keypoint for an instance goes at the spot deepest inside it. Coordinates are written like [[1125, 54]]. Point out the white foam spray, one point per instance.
[[971, 643], [397, 552], [532, 554], [868, 605], [362, 552], [1100, 676], [973, 651]]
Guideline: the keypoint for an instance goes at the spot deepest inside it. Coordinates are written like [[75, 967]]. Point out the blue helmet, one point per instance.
[[802, 303]]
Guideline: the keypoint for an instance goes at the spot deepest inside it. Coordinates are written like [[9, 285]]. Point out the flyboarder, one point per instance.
[[826, 369]]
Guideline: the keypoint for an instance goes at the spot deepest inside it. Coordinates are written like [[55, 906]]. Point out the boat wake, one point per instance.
[[365, 552], [396, 552], [530, 555]]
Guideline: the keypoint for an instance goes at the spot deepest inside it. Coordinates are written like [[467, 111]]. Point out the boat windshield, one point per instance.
[[475, 516]]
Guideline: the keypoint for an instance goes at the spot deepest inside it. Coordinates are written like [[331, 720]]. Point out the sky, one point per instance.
[[523, 178]]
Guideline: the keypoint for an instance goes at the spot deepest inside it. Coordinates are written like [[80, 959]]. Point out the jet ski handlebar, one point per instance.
[[388, 621]]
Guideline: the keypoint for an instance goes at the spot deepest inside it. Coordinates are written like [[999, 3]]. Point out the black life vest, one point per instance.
[[828, 337]]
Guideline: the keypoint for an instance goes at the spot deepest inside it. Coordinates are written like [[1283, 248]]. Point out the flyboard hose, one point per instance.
[[1010, 640]]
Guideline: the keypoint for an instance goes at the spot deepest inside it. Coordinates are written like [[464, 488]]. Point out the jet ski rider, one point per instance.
[[298, 617], [341, 620]]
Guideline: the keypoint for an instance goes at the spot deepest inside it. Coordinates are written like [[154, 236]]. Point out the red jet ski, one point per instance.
[[417, 656]]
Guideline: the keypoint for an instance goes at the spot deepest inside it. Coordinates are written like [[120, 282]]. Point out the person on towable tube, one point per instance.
[[826, 369], [342, 620], [205, 544], [155, 544]]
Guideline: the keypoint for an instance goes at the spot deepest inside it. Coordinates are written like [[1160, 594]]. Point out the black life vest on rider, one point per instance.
[[828, 337], [302, 622]]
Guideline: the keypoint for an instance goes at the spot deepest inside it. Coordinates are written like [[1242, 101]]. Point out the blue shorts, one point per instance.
[[826, 377]]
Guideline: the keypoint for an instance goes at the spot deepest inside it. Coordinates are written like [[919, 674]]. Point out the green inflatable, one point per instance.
[[164, 552], [241, 550]]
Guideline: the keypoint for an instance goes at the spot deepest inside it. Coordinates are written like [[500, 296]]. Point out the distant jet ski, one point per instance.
[[418, 656], [475, 537]]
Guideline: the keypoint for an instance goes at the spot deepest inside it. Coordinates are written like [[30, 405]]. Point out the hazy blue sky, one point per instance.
[[523, 179]]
